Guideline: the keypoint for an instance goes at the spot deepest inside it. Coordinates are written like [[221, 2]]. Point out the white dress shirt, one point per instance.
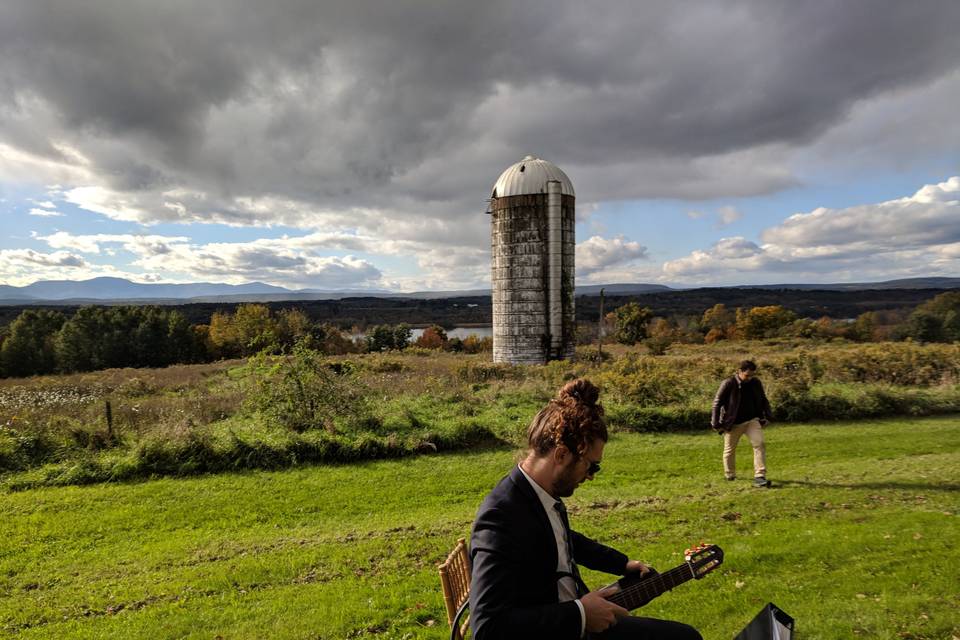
[[566, 586]]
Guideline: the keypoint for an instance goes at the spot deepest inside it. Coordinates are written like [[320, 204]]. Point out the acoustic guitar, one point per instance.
[[633, 591]]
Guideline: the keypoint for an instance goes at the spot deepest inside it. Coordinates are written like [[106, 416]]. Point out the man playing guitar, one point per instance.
[[526, 581]]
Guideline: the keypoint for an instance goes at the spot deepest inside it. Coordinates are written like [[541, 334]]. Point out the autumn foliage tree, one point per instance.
[[256, 329], [719, 323], [433, 337], [632, 321], [253, 328], [763, 322], [937, 320], [292, 325], [476, 344], [330, 340]]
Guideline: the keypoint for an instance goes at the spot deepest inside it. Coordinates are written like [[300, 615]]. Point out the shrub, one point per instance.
[[797, 373], [191, 452], [591, 354], [631, 321], [846, 402], [303, 391], [893, 363], [476, 344], [658, 345], [185, 419], [473, 371], [715, 335], [646, 381], [22, 449], [557, 372], [383, 365], [671, 418]]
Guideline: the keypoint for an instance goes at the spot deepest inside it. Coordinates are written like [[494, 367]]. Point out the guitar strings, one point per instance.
[[654, 586], [646, 587]]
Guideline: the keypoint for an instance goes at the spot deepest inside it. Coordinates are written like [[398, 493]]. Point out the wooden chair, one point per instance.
[[455, 578]]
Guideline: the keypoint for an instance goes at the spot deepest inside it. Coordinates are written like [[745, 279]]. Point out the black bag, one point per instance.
[[772, 623]]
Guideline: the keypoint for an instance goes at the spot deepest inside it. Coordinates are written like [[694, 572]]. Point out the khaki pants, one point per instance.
[[754, 433]]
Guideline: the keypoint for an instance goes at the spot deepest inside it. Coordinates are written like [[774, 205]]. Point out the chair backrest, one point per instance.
[[455, 579]]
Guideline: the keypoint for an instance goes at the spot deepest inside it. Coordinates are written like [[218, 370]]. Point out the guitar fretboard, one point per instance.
[[642, 592]]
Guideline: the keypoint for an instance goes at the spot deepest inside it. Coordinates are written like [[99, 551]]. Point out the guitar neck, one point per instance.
[[637, 593]]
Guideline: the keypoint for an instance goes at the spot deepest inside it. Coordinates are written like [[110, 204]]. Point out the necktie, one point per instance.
[[562, 510]]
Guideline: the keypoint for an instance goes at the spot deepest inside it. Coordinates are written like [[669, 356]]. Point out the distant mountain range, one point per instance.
[[117, 290], [112, 289], [903, 283]]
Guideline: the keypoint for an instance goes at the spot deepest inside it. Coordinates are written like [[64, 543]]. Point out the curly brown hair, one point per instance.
[[573, 419]]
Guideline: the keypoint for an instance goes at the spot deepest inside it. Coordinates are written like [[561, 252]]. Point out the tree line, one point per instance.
[[937, 320], [46, 341]]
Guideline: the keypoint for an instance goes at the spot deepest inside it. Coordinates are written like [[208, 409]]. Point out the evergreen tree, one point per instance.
[[29, 347]]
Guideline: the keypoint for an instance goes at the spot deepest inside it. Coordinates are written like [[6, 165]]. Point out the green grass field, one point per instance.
[[858, 539]]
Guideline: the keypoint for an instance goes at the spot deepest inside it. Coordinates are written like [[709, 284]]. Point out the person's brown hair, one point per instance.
[[747, 365], [573, 419]]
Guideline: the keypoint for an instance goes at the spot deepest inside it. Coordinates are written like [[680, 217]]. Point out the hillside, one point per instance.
[[476, 310], [105, 290]]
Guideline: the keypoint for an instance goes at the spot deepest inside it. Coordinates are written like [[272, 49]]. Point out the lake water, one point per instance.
[[456, 332], [459, 332]]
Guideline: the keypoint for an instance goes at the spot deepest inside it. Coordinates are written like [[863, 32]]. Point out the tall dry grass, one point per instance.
[[211, 417]]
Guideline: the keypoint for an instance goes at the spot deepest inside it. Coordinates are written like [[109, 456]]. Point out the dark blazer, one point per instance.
[[513, 593]]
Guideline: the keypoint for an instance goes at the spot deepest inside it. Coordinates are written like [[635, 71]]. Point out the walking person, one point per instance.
[[741, 408]]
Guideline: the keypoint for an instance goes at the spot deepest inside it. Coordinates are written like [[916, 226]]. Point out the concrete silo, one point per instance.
[[533, 216]]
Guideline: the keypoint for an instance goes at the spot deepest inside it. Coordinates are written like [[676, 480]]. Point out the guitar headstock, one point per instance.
[[703, 559]]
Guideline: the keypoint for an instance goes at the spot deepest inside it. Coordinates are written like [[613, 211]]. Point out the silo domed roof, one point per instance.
[[531, 175]]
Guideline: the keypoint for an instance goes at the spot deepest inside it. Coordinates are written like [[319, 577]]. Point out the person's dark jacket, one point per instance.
[[513, 591], [727, 402]]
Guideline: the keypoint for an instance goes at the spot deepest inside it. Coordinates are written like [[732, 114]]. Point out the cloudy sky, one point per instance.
[[341, 144]]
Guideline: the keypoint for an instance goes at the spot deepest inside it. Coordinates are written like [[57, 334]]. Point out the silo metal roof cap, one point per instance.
[[531, 175]]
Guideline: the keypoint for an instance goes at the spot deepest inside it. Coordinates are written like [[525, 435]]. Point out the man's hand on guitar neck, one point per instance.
[[635, 566], [601, 613]]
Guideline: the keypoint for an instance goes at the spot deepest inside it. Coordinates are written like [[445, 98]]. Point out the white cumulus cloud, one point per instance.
[[931, 216], [44, 213], [598, 253], [912, 236], [26, 265], [134, 243]]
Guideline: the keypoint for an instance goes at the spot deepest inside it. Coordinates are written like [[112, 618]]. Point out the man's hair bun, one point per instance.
[[573, 419], [580, 391]]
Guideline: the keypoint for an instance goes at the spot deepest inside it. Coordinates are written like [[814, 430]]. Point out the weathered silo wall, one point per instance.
[[532, 245]]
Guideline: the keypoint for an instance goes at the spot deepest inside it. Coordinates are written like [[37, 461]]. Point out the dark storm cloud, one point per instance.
[[363, 113]]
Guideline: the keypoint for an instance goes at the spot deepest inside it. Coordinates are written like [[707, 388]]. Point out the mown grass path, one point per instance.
[[858, 539]]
